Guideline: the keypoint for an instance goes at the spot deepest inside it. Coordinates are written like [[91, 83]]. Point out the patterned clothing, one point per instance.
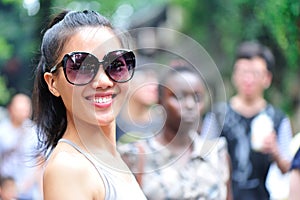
[[202, 176], [250, 167], [17, 150]]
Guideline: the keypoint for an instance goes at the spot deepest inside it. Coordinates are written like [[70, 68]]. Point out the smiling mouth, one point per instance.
[[102, 99]]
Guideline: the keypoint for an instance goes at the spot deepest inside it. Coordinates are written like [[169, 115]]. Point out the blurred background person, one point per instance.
[[139, 117], [8, 188], [18, 142], [257, 133], [176, 163]]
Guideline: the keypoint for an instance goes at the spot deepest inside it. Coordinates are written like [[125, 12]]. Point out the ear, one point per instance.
[[51, 82], [268, 80], [205, 103]]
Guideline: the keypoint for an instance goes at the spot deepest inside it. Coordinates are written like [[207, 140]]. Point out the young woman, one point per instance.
[[79, 88]]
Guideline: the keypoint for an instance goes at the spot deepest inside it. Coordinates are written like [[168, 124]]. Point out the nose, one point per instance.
[[249, 78], [101, 80], [189, 102]]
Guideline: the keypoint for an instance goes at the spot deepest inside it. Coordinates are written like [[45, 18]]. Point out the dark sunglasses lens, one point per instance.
[[119, 65], [81, 68]]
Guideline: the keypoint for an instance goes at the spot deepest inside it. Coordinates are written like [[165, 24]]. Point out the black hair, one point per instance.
[[178, 67], [49, 112], [251, 49]]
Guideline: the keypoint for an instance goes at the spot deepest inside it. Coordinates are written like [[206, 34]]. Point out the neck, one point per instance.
[[248, 107], [174, 138], [91, 137], [16, 123], [177, 144]]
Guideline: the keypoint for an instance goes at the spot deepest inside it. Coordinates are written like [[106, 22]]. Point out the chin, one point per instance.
[[105, 121]]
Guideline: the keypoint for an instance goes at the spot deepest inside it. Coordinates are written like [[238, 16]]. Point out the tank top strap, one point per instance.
[[108, 187]]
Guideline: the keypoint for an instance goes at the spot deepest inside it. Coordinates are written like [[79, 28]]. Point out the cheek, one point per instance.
[[236, 79], [201, 107], [61, 84], [70, 94], [146, 95], [122, 89], [173, 107], [122, 92], [70, 97]]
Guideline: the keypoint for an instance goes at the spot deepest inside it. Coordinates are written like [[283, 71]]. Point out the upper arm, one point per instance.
[[285, 135], [66, 178], [294, 184]]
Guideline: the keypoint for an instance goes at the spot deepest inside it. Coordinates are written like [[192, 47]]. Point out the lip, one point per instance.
[[189, 116], [101, 100]]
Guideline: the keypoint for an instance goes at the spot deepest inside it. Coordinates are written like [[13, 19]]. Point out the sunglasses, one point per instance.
[[80, 68]]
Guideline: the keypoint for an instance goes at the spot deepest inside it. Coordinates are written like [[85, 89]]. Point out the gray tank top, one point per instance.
[[115, 188]]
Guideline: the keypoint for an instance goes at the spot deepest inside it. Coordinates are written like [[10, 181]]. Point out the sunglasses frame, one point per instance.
[[100, 62]]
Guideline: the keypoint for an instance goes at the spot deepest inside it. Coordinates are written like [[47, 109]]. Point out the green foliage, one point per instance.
[[217, 25], [281, 18], [5, 49], [11, 1], [18, 41], [220, 26], [5, 93]]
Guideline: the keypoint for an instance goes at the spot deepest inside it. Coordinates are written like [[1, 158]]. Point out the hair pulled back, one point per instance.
[[49, 112]]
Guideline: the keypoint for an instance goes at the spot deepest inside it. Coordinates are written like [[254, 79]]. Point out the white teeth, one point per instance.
[[102, 99]]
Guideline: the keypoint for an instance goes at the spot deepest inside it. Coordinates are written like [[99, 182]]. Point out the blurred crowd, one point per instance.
[[20, 173], [174, 144], [242, 150]]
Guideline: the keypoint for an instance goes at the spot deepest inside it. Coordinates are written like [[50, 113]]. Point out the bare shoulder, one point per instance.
[[69, 175]]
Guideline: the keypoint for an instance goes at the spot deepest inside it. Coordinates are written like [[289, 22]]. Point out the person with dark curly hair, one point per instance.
[[176, 163]]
